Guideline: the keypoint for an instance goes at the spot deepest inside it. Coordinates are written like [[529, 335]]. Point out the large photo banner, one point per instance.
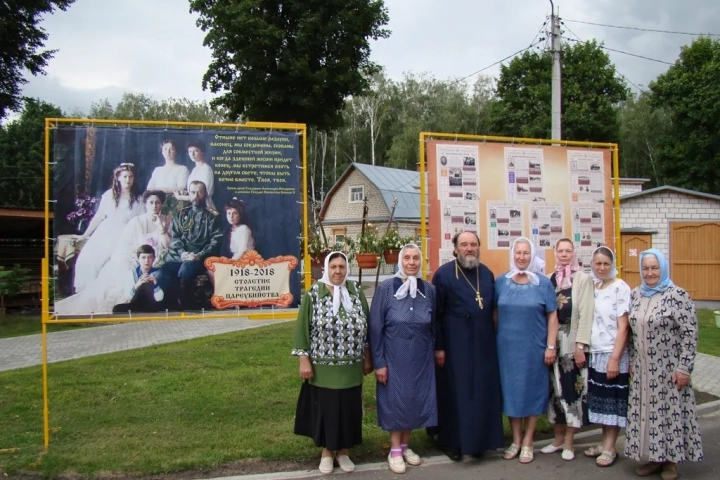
[[503, 191], [169, 219]]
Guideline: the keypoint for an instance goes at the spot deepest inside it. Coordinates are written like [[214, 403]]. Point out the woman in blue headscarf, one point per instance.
[[662, 428]]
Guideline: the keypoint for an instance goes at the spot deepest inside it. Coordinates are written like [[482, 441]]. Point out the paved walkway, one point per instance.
[[19, 352], [24, 351]]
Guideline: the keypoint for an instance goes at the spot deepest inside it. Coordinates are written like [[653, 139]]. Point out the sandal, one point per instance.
[[593, 452], [512, 451], [526, 455], [606, 458]]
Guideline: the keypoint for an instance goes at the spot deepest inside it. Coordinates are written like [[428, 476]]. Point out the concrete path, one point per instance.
[[19, 352], [493, 467]]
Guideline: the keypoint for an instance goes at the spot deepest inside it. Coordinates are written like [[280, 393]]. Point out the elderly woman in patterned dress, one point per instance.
[[568, 375], [662, 426], [403, 354], [330, 341]]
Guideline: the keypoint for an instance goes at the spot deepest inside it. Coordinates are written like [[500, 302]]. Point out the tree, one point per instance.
[[289, 61], [641, 129], [590, 90], [22, 158], [11, 283], [138, 106], [21, 41], [690, 92]]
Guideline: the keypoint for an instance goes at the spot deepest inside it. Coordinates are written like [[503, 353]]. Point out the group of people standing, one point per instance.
[[129, 228], [454, 355]]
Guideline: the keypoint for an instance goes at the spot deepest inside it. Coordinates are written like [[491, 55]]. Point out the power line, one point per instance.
[[581, 40], [645, 29], [620, 51], [532, 44], [499, 61]]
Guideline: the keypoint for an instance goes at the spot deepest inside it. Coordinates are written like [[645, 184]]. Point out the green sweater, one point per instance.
[[336, 343]]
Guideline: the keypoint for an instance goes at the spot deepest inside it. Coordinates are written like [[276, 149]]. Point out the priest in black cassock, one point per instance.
[[467, 373]]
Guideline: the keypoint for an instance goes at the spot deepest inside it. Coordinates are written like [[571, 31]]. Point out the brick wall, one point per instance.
[[340, 207], [656, 211], [628, 188]]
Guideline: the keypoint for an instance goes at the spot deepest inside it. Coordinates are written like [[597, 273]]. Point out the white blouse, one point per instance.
[[170, 176], [241, 240]]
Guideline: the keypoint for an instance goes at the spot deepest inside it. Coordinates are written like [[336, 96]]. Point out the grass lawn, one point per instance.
[[195, 404], [18, 325], [709, 337]]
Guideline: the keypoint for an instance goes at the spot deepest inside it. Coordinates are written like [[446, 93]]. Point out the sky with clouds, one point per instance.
[[107, 47]]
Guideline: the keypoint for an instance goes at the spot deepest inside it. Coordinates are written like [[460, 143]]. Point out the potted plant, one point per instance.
[[368, 248], [391, 243], [318, 250]]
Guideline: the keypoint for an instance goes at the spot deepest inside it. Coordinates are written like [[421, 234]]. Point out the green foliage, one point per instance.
[[138, 106], [11, 283], [368, 241], [21, 41], [22, 157], [641, 129], [289, 61], [590, 90], [690, 92], [392, 240], [709, 336]]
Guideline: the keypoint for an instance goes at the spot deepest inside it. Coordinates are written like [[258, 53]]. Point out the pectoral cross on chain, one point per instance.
[[479, 300]]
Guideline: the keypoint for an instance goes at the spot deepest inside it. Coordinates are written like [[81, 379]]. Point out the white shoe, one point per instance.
[[411, 458], [568, 455], [397, 464], [326, 465], [346, 465], [550, 448]]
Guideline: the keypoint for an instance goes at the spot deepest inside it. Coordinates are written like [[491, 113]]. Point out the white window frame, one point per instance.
[[350, 193]]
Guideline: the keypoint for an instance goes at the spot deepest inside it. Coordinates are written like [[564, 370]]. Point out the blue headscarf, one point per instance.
[[664, 283]]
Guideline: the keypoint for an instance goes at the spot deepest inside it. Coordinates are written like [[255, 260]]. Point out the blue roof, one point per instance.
[[395, 183]]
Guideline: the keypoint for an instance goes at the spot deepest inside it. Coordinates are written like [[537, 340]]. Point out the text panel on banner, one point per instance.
[[156, 219]]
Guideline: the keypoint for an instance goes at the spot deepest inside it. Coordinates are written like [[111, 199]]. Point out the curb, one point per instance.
[[588, 437]]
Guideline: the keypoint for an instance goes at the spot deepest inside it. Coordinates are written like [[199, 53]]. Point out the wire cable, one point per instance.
[[582, 41], [645, 29], [532, 44], [499, 61]]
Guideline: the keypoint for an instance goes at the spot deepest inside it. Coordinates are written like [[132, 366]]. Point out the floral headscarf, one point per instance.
[[340, 292], [563, 273]]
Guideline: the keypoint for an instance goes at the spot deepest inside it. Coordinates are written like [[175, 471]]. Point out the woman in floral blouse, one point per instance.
[[662, 428], [330, 341]]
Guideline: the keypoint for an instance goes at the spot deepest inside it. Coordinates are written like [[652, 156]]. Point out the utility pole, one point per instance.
[[556, 103]]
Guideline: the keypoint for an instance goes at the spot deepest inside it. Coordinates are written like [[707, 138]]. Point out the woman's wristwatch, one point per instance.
[[551, 347], [581, 347]]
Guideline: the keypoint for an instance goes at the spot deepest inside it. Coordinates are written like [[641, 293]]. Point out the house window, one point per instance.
[[339, 234], [357, 194]]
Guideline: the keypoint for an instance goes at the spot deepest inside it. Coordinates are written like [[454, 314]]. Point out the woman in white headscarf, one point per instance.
[[403, 354], [609, 361], [330, 341], [527, 327]]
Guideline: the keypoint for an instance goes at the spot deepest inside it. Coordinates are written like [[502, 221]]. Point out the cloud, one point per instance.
[[154, 47]]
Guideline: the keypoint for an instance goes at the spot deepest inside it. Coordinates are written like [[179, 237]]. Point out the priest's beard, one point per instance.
[[468, 262]]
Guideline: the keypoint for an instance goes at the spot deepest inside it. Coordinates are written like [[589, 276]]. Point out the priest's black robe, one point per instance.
[[468, 386]]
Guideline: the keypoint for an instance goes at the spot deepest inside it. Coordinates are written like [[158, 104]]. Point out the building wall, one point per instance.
[[628, 188], [656, 211], [340, 207]]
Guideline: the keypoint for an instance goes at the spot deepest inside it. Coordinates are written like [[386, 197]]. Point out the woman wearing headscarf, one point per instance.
[[527, 328], [403, 354], [568, 376], [609, 360], [662, 428], [330, 341]]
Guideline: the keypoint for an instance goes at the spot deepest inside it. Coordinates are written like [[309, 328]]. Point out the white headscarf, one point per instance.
[[340, 292], [410, 283], [613, 273], [536, 263]]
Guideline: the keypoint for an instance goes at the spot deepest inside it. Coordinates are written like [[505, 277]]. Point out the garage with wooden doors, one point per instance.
[[695, 258], [634, 241]]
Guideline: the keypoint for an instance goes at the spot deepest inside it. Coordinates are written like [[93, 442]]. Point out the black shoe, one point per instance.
[[453, 454]]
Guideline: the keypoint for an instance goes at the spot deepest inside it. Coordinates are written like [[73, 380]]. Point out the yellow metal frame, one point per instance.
[[425, 136], [48, 317]]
